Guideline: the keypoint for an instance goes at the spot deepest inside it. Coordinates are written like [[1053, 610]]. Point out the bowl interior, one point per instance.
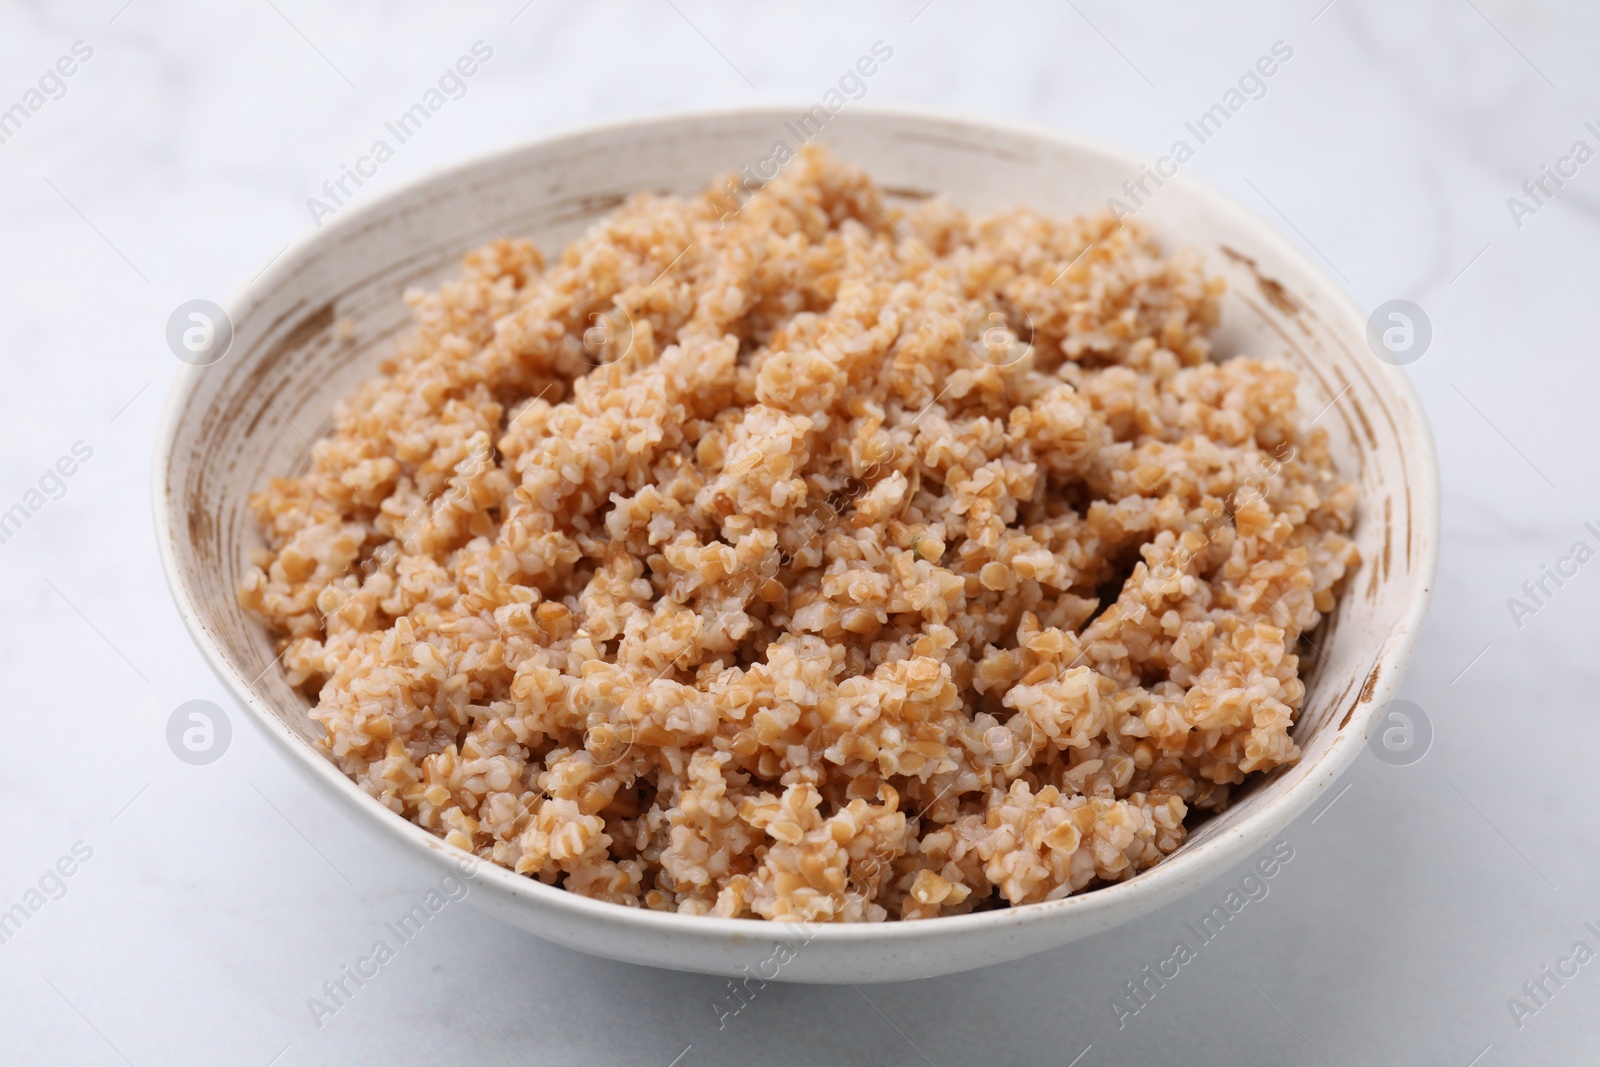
[[321, 319]]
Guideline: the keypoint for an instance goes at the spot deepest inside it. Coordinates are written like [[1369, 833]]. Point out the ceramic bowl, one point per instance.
[[319, 320]]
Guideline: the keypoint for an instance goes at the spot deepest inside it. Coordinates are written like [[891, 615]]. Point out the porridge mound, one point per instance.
[[810, 559]]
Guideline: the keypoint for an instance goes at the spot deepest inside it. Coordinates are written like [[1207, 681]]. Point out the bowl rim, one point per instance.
[[1182, 872]]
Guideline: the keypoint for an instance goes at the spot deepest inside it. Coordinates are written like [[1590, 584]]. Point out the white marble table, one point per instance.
[[176, 161]]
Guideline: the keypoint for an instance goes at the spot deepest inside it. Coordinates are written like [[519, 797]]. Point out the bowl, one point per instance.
[[318, 321]]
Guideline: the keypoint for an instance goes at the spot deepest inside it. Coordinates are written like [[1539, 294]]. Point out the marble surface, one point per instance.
[[175, 162]]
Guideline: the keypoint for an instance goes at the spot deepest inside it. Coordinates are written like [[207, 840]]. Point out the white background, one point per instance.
[[177, 166]]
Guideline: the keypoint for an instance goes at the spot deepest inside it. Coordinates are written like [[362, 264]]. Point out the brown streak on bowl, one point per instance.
[[1275, 292]]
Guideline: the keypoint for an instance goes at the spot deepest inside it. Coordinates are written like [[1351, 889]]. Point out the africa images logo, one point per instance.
[[1252, 887]]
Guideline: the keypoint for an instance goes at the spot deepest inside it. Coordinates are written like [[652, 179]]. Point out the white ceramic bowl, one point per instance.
[[232, 425]]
